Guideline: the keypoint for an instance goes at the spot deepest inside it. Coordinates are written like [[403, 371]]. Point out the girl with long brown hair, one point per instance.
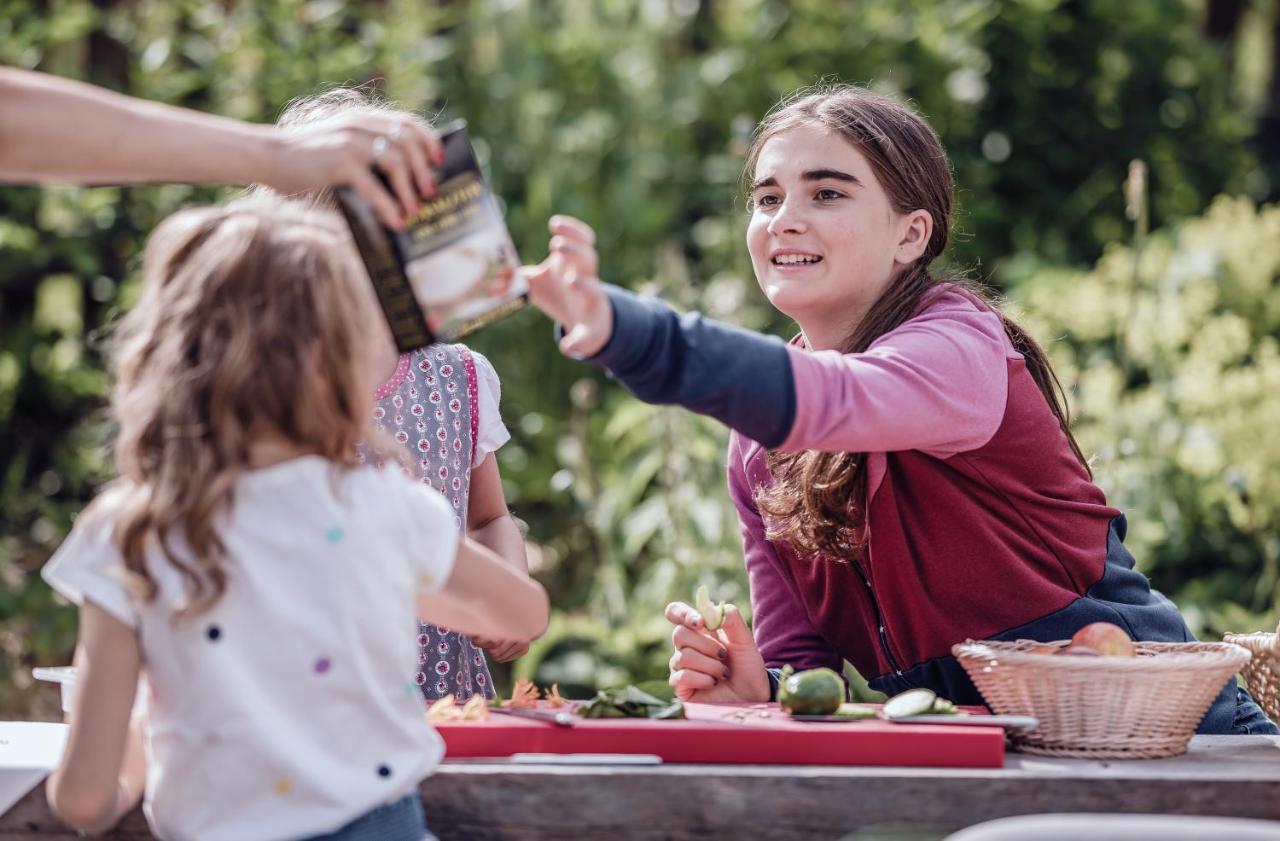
[[904, 470], [261, 581]]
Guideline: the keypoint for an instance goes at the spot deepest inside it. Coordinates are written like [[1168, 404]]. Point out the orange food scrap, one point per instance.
[[523, 694], [553, 696]]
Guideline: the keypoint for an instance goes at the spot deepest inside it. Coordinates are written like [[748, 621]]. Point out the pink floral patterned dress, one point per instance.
[[429, 406]]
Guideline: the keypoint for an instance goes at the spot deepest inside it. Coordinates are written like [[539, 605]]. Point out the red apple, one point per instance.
[[1105, 638], [1074, 650]]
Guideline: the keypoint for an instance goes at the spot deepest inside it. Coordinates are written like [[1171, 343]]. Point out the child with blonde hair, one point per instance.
[[260, 579], [440, 404]]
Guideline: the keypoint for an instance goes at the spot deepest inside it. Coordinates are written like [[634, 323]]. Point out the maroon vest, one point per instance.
[[962, 547]]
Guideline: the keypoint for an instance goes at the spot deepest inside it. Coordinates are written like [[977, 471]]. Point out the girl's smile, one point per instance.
[[789, 260]]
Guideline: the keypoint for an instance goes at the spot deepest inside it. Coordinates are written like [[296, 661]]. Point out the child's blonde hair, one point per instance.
[[252, 321]]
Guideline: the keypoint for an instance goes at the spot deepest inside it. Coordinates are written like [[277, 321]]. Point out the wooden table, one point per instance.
[[1221, 775]]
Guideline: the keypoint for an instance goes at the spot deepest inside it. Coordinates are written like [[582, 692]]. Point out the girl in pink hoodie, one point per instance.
[[904, 470]]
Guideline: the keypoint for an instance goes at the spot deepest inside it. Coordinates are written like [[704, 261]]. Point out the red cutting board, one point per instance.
[[746, 733]]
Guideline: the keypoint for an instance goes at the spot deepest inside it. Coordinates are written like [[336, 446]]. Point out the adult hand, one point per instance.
[[343, 151], [715, 666], [502, 651], [565, 286]]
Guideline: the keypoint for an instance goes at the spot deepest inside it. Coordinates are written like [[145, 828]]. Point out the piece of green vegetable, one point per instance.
[[812, 692], [857, 711], [941, 706], [712, 613], [909, 703]]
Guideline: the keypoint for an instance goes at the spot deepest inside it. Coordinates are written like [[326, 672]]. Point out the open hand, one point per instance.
[[565, 286], [343, 151], [715, 666]]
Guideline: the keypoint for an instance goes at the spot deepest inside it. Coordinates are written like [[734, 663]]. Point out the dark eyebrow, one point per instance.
[[828, 175], [811, 175]]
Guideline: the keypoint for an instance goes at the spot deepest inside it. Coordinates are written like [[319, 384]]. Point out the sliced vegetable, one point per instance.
[[856, 711], [712, 613], [909, 703], [941, 706], [783, 694]]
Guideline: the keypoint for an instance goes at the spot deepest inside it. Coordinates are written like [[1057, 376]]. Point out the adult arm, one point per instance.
[[58, 130]]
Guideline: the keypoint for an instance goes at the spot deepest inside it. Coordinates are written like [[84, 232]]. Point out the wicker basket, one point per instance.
[[1262, 673], [1141, 707]]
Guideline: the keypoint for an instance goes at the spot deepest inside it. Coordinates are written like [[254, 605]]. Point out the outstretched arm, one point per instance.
[[937, 383], [57, 130]]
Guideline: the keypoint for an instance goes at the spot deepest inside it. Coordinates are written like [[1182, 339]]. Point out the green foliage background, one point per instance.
[[635, 116]]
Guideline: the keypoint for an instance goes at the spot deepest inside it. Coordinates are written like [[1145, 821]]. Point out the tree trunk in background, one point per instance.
[[1268, 140], [1222, 22], [1222, 18]]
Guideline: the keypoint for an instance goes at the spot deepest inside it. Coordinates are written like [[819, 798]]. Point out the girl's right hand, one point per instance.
[[715, 666], [565, 286]]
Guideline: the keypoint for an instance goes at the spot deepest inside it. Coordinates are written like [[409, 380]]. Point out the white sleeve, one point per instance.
[[492, 432], [88, 566], [432, 535]]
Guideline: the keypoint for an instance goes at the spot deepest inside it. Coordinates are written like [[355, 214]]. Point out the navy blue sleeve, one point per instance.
[[738, 377], [775, 680]]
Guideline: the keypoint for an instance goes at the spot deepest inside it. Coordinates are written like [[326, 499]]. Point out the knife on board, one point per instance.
[[563, 719]]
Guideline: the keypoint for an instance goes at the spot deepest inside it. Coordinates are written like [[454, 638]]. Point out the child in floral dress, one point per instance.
[[441, 404]]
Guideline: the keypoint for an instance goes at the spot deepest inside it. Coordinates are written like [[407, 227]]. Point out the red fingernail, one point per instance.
[[727, 674], [723, 654]]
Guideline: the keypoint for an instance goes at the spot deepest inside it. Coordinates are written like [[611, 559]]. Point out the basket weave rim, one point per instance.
[[1152, 656], [1266, 638]]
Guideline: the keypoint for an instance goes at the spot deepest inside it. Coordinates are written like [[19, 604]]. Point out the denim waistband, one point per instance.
[[399, 820]]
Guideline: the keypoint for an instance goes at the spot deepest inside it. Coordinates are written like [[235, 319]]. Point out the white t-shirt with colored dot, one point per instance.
[[286, 709]]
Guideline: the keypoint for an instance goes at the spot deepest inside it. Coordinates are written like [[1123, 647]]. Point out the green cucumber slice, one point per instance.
[[909, 703], [847, 710], [941, 706]]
